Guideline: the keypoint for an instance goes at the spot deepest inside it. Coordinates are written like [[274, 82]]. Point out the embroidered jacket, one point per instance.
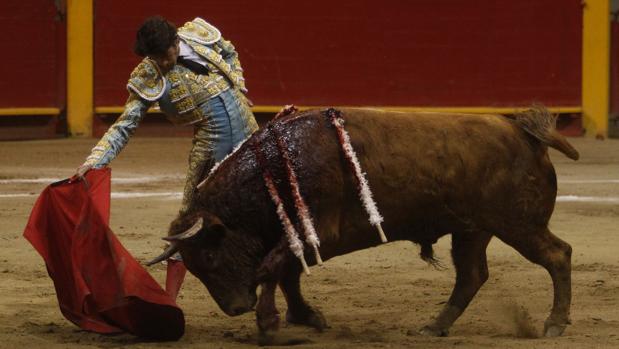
[[179, 92]]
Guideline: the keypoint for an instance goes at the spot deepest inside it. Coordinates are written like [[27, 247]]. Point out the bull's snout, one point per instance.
[[237, 309], [240, 305]]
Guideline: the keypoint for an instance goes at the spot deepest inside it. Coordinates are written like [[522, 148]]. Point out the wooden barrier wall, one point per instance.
[[359, 52], [33, 70], [470, 56]]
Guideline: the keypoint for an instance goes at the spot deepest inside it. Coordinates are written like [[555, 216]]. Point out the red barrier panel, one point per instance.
[[362, 52], [33, 41]]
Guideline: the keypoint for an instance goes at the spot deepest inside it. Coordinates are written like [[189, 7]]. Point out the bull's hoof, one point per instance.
[[266, 338], [433, 332], [311, 317], [553, 329], [267, 323]]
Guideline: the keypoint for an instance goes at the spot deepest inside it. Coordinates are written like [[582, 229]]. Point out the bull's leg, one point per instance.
[[469, 256], [267, 315], [267, 318], [299, 312], [554, 254]]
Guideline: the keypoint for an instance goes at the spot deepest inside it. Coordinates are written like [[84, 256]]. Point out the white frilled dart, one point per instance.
[[296, 246], [301, 208], [365, 194]]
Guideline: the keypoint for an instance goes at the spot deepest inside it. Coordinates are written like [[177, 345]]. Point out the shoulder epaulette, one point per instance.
[[199, 31], [147, 81]]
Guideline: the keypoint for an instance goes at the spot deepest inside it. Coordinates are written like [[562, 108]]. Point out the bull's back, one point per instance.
[[448, 149], [434, 173]]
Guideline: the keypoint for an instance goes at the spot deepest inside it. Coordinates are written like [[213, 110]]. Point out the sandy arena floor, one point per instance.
[[376, 298]]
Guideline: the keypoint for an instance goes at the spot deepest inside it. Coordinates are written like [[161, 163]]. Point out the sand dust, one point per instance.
[[515, 319], [376, 298]]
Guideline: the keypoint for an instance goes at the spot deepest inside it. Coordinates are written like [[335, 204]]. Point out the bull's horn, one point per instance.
[[187, 233], [172, 249]]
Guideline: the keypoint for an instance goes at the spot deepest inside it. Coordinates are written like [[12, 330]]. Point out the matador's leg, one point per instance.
[[201, 160]]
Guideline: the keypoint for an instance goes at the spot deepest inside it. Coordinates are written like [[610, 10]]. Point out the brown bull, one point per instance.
[[432, 174]]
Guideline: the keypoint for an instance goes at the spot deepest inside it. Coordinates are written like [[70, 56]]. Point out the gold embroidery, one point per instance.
[[200, 162], [146, 81], [215, 58], [188, 90], [185, 105], [199, 31]]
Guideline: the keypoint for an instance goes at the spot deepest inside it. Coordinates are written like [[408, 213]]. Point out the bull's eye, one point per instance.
[[209, 259]]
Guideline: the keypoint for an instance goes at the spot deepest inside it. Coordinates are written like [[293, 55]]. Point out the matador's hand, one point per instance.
[[81, 171], [247, 100]]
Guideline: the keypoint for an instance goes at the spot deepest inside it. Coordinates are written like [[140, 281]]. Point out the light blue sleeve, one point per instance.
[[117, 136]]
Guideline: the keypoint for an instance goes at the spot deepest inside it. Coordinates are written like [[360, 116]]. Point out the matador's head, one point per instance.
[[158, 40]]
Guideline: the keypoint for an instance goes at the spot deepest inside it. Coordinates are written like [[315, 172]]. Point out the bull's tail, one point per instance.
[[427, 255], [540, 124]]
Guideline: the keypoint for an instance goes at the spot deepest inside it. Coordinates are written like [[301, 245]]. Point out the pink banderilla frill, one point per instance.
[[287, 110], [296, 246], [301, 208], [365, 194]]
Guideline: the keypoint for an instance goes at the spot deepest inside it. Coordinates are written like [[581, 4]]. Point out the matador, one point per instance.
[[196, 78]]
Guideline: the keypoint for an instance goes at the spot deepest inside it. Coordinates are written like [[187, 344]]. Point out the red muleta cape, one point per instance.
[[99, 285]]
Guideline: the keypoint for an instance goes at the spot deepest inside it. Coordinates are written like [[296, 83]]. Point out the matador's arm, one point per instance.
[[229, 54], [117, 136]]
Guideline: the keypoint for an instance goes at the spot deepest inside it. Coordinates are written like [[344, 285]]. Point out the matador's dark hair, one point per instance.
[[155, 36]]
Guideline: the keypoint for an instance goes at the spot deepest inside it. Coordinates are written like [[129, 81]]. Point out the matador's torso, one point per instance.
[[183, 94], [181, 90]]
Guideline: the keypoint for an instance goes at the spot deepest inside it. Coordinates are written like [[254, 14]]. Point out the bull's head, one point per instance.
[[224, 260]]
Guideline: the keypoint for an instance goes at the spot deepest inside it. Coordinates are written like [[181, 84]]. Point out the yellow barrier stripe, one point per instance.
[[80, 67], [119, 109], [29, 111], [473, 110], [596, 67]]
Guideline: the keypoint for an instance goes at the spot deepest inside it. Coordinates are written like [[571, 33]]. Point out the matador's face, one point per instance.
[[166, 61]]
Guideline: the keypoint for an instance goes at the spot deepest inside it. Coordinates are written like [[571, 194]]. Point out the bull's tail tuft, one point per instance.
[[539, 123], [427, 255]]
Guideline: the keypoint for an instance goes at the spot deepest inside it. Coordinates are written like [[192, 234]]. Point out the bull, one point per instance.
[[432, 174]]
